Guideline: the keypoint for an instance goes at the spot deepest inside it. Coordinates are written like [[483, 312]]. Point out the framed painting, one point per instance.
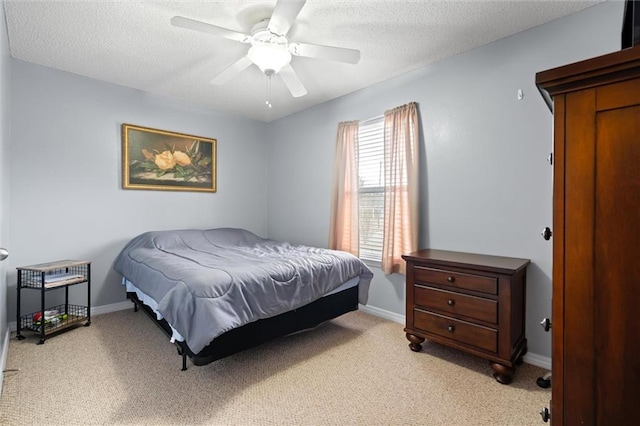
[[169, 161]]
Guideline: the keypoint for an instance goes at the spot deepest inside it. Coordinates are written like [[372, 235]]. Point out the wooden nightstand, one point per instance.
[[471, 302]]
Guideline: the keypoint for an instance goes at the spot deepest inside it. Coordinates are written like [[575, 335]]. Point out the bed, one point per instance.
[[219, 291]]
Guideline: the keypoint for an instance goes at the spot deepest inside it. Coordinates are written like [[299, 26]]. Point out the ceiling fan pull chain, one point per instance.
[[268, 101]]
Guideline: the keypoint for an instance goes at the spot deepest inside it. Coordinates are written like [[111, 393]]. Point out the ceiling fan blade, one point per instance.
[[292, 81], [283, 15], [190, 24], [340, 54], [231, 71]]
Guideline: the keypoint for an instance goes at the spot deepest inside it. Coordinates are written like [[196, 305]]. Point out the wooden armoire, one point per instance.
[[596, 240]]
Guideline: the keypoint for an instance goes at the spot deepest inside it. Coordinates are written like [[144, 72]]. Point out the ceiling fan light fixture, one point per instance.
[[269, 57]]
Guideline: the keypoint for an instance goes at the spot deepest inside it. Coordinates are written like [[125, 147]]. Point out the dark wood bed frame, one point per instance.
[[261, 331]]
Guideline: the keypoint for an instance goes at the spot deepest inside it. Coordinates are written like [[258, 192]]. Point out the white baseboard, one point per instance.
[[95, 310], [391, 316], [538, 360], [114, 307], [529, 358]]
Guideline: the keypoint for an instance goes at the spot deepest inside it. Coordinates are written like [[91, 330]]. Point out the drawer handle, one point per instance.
[[451, 302], [451, 328], [450, 279]]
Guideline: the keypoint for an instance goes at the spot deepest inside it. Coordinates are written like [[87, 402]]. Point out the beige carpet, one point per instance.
[[354, 370]]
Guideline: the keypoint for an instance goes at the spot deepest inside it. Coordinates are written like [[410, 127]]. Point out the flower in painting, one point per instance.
[[148, 155], [165, 160], [181, 158], [188, 164]]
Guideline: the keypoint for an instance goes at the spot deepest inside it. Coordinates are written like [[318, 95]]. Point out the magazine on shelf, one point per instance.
[[52, 278]]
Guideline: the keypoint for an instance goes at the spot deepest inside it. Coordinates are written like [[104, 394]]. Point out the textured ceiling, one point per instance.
[[132, 43]]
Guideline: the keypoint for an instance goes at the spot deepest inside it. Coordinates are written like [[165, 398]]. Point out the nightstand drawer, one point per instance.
[[460, 331], [456, 303], [456, 279]]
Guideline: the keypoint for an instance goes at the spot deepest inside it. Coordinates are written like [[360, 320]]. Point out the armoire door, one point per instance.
[[617, 253], [598, 341]]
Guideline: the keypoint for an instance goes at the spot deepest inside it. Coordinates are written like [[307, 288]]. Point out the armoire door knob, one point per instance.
[[546, 233]]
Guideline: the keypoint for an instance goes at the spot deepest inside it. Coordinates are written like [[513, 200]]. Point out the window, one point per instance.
[[374, 205], [371, 188]]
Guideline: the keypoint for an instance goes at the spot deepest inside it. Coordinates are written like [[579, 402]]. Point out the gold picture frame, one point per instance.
[[169, 161]]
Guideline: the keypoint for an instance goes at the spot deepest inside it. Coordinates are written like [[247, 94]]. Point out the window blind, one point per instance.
[[371, 188]]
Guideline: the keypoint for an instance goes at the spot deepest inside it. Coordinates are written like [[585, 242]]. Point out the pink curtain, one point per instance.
[[401, 186], [344, 233]]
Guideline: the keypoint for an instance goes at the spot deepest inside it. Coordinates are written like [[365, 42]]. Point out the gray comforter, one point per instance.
[[210, 281]]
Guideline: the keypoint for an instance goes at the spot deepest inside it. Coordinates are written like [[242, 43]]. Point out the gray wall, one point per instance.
[[5, 134], [66, 196], [486, 186]]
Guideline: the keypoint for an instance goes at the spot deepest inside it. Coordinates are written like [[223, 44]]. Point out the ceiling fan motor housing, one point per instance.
[[269, 51]]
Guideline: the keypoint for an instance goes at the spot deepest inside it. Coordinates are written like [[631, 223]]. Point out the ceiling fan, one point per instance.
[[270, 48]]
